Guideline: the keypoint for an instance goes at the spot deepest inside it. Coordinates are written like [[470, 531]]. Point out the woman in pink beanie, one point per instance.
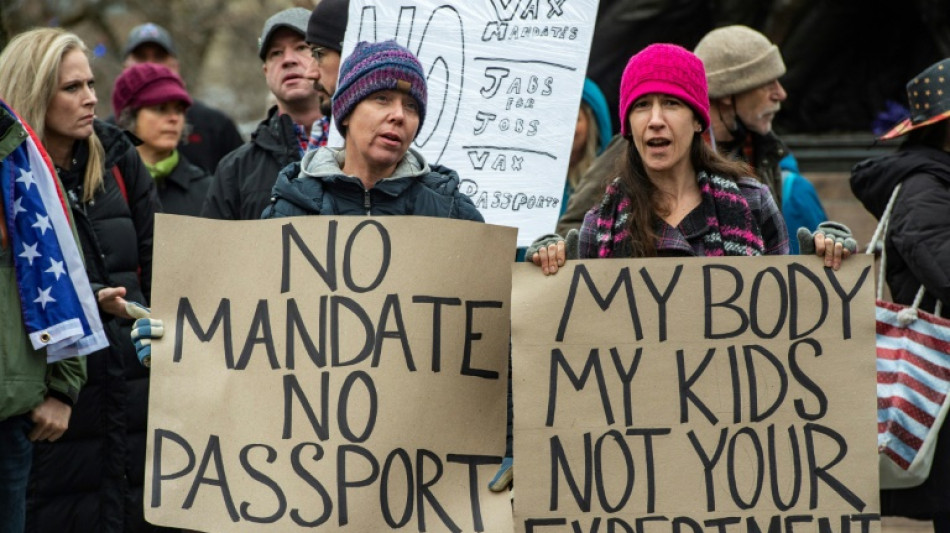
[[674, 195]]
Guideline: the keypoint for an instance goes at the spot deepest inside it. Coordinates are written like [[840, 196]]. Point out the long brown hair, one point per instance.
[[647, 200]]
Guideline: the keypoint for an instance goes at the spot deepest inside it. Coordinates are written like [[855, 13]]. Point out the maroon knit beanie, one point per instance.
[[666, 69], [147, 84]]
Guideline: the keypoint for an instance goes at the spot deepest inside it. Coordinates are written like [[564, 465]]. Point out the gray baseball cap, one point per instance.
[[294, 19], [149, 33]]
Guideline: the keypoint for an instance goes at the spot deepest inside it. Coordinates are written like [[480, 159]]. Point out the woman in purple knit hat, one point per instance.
[[674, 195], [379, 107]]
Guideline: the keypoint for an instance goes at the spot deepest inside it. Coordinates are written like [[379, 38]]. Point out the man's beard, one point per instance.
[[326, 102]]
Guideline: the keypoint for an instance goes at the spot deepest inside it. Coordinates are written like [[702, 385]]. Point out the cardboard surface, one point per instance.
[[343, 372], [691, 395]]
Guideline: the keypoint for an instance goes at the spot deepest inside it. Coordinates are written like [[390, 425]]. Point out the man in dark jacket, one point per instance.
[[379, 106], [211, 134], [242, 183]]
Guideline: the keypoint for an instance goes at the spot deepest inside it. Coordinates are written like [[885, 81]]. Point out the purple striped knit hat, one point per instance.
[[376, 67]]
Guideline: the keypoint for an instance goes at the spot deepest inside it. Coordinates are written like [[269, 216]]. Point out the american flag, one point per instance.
[[913, 380], [59, 310]]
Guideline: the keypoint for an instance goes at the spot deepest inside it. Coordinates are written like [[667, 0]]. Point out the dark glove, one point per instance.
[[144, 330], [836, 230], [503, 477]]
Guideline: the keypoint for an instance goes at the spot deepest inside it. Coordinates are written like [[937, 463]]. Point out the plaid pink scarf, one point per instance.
[[732, 229]]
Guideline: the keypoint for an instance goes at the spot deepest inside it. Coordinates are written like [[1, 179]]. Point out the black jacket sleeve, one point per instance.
[[920, 232], [223, 201], [144, 204]]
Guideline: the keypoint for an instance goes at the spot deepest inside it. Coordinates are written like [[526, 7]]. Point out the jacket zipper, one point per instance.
[[366, 203]]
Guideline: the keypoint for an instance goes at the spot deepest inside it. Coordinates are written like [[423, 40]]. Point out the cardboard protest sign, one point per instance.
[[342, 373], [504, 83], [695, 395]]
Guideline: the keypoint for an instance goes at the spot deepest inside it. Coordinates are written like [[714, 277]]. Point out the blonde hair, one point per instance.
[[576, 171], [29, 78]]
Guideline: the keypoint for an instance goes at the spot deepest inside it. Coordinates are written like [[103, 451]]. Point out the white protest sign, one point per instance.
[[504, 80]]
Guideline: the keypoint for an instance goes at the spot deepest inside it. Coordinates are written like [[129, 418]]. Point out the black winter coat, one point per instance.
[[184, 190], [321, 188], [212, 136], [91, 478], [241, 187], [918, 252]]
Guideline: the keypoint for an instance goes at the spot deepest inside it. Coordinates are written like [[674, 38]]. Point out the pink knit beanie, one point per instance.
[[667, 69]]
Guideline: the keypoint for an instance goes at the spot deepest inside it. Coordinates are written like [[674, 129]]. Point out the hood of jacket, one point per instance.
[[873, 180], [594, 97], [326, 163], [323, 168]]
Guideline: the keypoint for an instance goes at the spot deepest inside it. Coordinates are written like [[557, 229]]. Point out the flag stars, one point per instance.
[[42, 223], [44, 297], [56, 268], [30, 253], [18, 207], [26, 178]]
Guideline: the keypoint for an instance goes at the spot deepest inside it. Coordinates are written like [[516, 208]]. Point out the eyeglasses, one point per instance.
[[318, 52]]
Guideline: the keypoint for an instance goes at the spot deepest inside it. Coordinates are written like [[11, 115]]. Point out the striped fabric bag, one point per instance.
[[913, 381]]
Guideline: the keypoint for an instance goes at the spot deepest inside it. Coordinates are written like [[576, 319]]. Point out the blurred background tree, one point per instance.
[[216, 42], [848, 60]]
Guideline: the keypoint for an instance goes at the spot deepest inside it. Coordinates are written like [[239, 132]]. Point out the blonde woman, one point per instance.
[[84, 479]]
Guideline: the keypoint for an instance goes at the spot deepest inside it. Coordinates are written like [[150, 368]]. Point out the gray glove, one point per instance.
[[570, 244], [836, 230]]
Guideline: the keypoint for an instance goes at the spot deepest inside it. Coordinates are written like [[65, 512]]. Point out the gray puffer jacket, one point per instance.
[[318, 186]]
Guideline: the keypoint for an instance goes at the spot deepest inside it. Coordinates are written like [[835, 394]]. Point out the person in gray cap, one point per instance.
[[242, 183], [211, 134], [325, 32], [743, 69]]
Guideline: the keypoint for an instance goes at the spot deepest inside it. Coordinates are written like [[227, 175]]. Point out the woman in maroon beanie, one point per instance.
[[150, 100]]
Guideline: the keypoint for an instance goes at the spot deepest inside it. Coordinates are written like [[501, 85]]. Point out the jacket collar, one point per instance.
[[326, 164]]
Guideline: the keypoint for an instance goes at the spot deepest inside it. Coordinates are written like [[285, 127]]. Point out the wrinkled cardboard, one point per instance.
[[632, 463], [222, 454]]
